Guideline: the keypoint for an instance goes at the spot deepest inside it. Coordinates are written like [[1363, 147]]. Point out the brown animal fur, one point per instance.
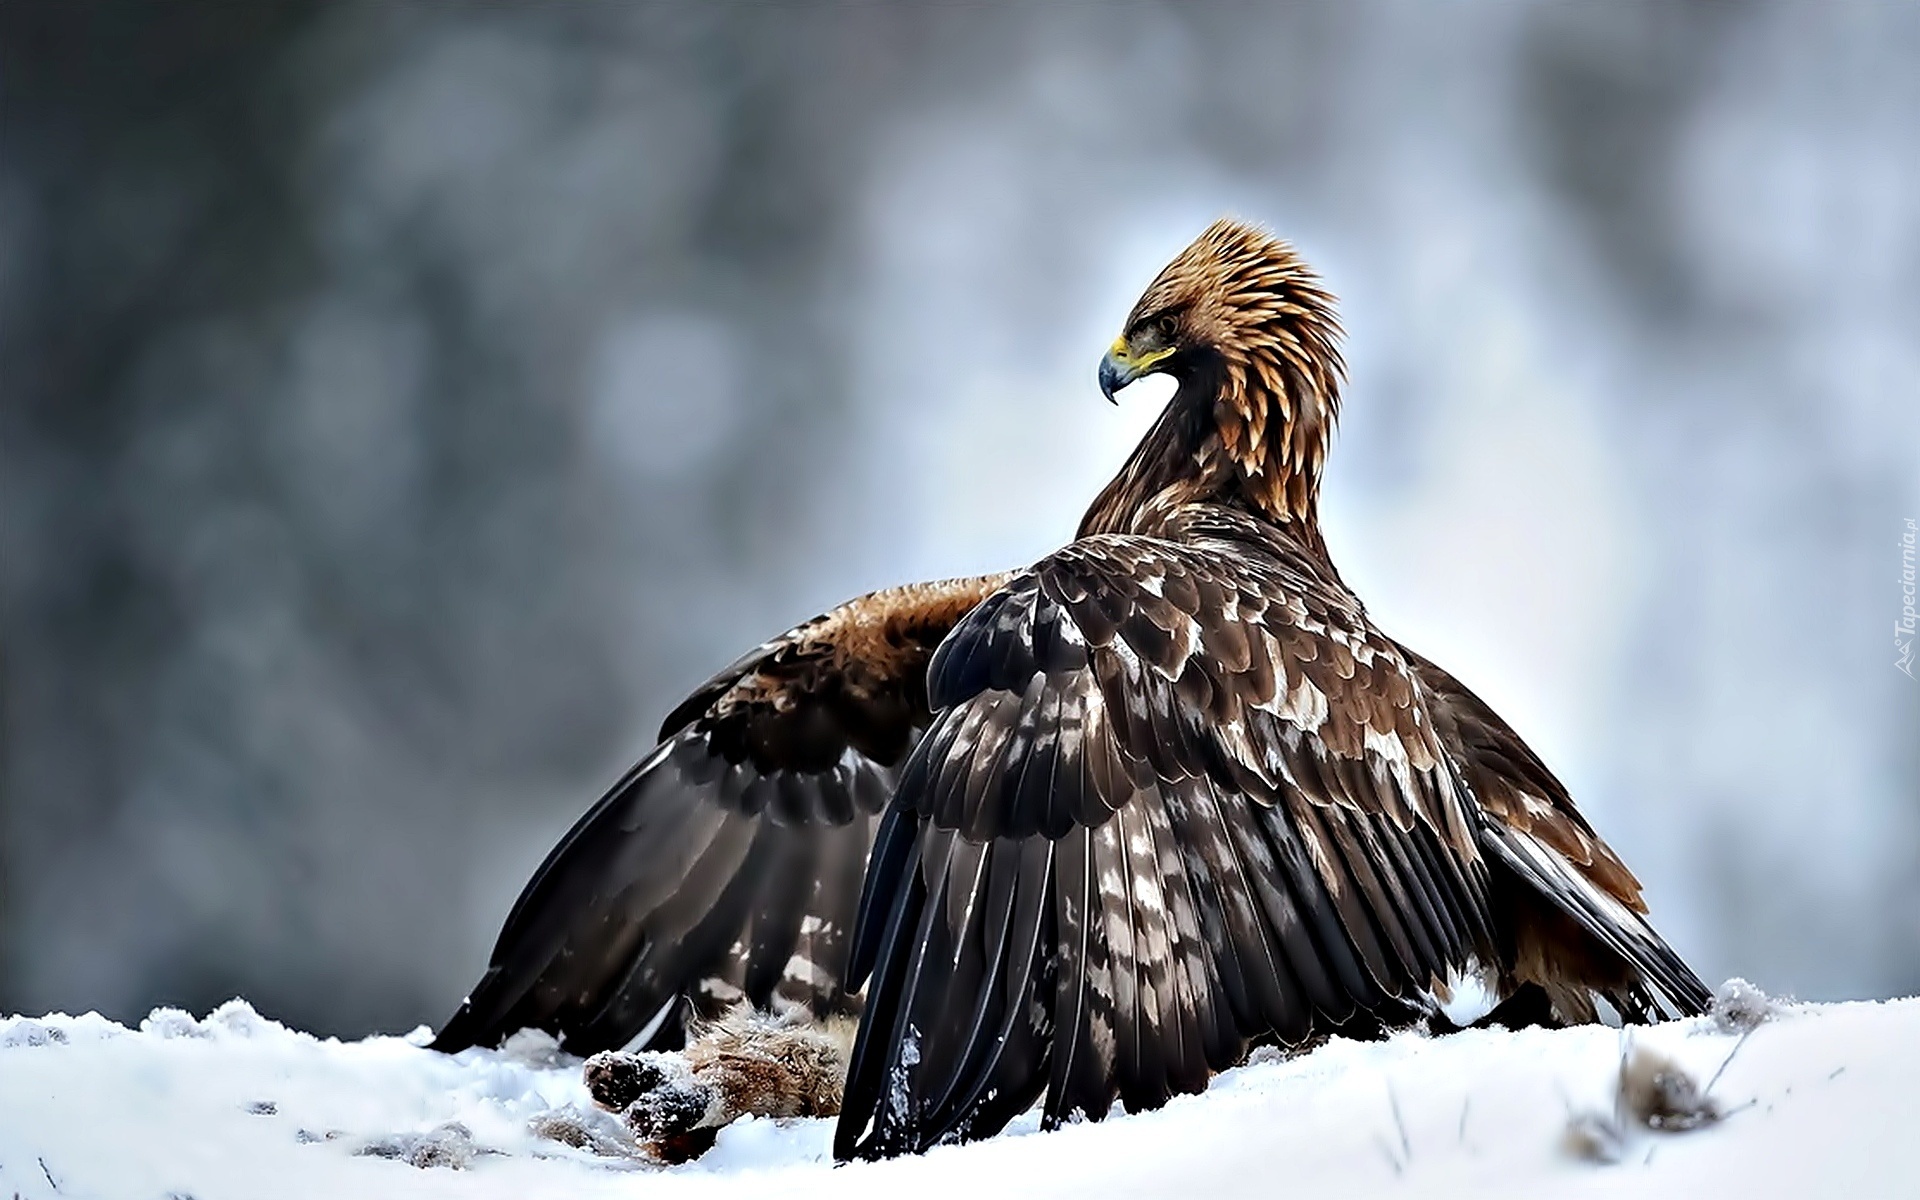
[[746, 1063]]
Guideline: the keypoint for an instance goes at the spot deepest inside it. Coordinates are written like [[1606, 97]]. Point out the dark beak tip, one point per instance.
[[1111, 381]]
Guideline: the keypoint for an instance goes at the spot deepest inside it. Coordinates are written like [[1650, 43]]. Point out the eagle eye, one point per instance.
[[1166, 326]]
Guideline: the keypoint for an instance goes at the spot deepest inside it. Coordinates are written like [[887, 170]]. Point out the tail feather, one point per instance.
[[1663, 985]]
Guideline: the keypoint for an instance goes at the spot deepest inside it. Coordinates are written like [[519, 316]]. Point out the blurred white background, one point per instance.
[[404, 404]]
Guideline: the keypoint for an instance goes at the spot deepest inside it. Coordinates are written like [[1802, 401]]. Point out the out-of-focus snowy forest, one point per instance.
[[402, 404]]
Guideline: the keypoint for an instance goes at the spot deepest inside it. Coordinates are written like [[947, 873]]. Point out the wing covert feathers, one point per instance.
[[1179, 795], [727, 864], [1535, 832]]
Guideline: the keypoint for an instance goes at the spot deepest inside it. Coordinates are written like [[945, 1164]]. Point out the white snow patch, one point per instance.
[[1818, 1100]]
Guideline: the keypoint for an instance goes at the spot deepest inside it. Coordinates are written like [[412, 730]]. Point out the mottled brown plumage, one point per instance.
[[1569, 914], [1167, 792], [1179, 793], [1516, 788], [854, 678], [727, 863]]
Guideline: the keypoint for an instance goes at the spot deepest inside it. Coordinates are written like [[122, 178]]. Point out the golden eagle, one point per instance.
[[1165, 793]]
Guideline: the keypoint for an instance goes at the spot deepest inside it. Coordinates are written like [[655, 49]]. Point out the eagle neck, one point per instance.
[[1232, 435]]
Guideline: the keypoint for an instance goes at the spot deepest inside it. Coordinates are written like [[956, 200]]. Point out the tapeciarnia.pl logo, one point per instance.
[[1903, 629]]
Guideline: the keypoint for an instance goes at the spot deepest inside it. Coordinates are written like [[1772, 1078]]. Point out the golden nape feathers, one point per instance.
[[1249, 334]]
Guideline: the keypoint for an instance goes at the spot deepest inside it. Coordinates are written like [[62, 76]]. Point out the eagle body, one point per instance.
[[1165, 793]]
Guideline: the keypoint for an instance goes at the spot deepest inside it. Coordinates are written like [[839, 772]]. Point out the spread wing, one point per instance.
[[1537, 834], [1178, 795], [727, 863]]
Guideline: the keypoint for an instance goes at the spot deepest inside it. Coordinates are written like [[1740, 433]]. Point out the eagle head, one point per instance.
[[1248, 331], [1236, 297]]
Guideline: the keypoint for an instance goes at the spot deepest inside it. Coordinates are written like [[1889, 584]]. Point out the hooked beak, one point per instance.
[[1120, 368]]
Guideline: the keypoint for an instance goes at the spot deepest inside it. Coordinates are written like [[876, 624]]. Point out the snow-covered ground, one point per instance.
[[1818, 1101]]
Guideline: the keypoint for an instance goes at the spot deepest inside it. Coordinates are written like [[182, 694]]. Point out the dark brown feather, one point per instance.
[[1233, 885], [1256, 815], [1573, 921], [727, 864]]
